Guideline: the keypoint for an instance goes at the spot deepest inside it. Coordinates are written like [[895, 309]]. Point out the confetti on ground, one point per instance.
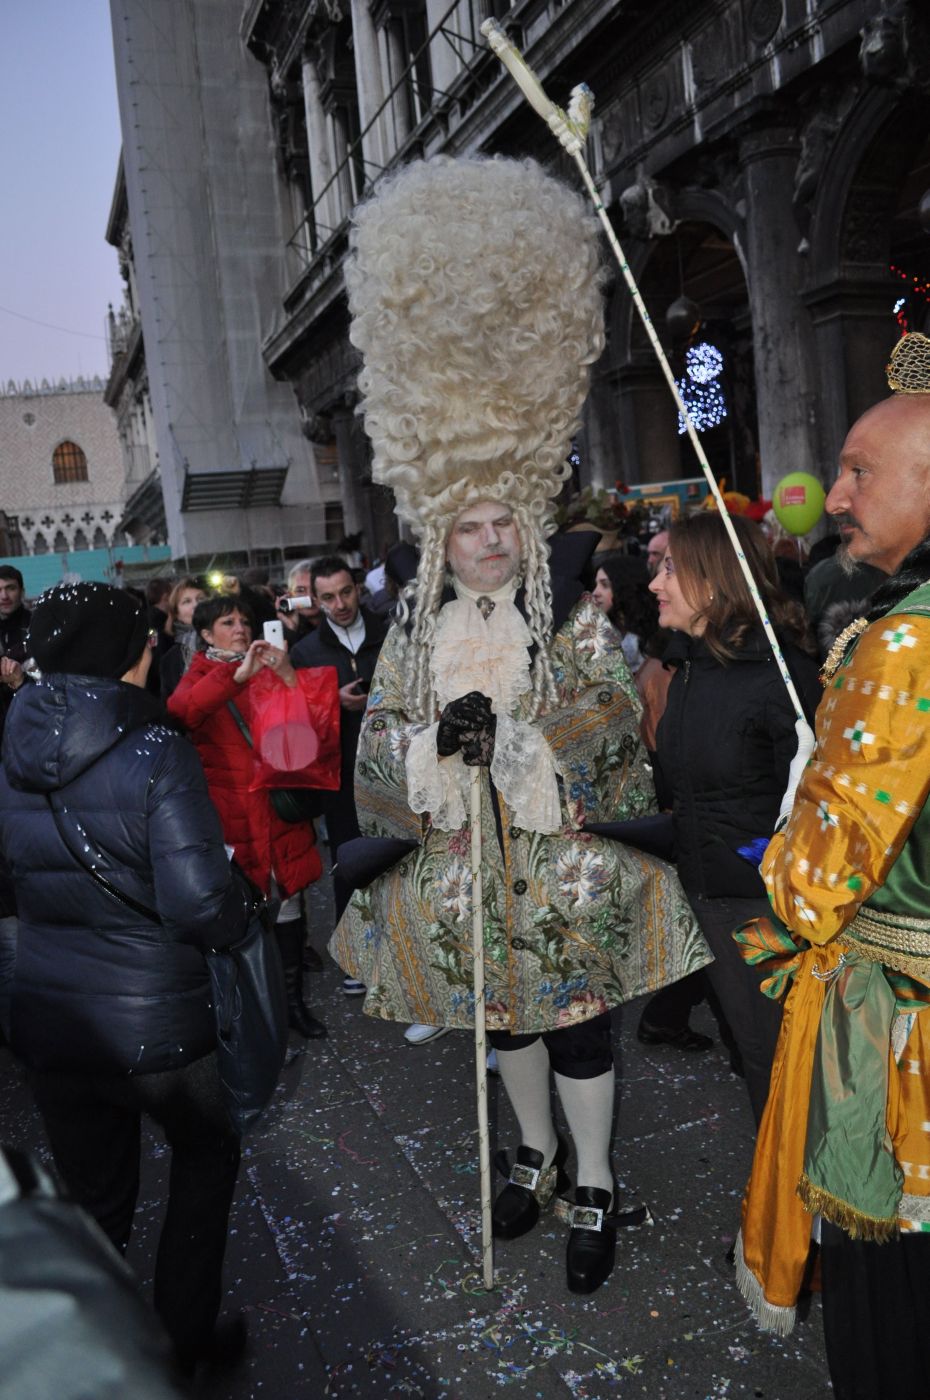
[[355, 1236]]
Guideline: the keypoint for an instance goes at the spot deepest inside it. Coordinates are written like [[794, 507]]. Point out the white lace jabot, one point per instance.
[[471, 652]]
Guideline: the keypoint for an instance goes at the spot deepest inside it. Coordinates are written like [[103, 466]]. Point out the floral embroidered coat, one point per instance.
[[573, 923]]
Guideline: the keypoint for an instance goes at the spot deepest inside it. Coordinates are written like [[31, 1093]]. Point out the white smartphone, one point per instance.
[[274, 633]]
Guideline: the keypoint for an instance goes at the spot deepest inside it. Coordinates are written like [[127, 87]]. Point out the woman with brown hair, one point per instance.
[[182, 600], [724, 746]]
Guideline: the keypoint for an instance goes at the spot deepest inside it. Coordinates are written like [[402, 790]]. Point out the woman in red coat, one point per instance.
[[278, 855]]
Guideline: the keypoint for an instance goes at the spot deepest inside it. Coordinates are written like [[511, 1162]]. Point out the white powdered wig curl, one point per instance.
[[475, 292], [474, 287]]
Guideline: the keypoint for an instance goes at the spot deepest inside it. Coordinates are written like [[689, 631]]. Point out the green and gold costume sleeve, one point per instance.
[[865, 786]]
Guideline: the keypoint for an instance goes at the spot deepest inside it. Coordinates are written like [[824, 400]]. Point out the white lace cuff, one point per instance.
[[434, 785], [523, 770]]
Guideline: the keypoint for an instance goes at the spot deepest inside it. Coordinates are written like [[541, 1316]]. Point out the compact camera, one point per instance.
[[289, 605]]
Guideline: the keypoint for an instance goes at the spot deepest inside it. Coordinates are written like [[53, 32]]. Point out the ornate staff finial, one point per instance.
[[569, 128]]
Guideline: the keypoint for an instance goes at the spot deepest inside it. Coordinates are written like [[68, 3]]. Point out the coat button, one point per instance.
[[517, 943], [519, 887], [604, 696], [515, 833]]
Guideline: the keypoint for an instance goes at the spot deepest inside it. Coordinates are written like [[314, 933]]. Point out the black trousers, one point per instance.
[[876, 1315], [576, 1052], [754, 1019], [341, 825], [93, 1126]]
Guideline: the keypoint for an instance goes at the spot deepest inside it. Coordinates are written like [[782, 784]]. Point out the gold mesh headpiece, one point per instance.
[[908, 370]]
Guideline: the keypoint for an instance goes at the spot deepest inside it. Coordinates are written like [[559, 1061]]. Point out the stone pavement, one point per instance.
[[355, 1232]]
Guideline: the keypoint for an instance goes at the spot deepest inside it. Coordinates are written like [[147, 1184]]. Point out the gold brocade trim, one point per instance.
[[851, 1221], [908, 370], [901, 941], [838, 650]]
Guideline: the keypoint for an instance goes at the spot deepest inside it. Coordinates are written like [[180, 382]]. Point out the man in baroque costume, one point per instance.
[[843, 1152], [474, 287]]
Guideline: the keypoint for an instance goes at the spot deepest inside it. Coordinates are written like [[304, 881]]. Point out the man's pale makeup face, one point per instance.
[[483, 548], [337, 595], [880, 501], [11, 595]]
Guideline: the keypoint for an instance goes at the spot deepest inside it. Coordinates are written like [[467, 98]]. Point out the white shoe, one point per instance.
[[493, 1066], [419, 1034]]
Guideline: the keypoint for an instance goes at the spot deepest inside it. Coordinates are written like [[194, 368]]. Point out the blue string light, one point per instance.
[[703, 396]]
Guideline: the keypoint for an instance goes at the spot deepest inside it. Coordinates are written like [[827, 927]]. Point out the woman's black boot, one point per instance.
[[592, 1241], [290, 938], [529, 1190]]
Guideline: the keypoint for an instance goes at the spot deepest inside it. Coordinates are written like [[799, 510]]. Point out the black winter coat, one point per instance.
[[96, 987], [724, 745]]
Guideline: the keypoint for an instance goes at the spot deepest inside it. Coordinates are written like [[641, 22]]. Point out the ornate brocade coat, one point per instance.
[[573, 923]]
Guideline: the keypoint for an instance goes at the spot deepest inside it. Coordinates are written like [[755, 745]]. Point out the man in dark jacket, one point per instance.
[[348, 637], [14, 626], [110, 1010]]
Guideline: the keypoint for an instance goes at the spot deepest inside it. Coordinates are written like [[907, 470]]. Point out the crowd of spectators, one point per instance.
[[676, 601]]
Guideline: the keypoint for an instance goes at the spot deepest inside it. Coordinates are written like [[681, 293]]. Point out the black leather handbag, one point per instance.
[[249, 998]]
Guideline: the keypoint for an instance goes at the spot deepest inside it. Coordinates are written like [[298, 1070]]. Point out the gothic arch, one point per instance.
[[704, 257], [862, 176]]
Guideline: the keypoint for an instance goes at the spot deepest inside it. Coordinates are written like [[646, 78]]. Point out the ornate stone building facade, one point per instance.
[[766, 164], [214, 441], [61, 469], [127, 390]]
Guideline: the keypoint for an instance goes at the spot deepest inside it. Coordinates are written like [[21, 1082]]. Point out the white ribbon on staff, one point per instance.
[[571, 130]]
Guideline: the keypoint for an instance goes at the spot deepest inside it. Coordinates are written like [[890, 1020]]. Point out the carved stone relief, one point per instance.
[[656, 95], [763, 19]]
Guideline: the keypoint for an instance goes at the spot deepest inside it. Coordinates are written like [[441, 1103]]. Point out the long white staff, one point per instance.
[[571, 130], [481, 1053]]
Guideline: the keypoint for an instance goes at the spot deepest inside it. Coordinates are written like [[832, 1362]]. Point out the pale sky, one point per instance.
[[58, 156]]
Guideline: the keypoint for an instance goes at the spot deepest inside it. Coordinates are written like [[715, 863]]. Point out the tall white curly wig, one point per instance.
[[475, 292]]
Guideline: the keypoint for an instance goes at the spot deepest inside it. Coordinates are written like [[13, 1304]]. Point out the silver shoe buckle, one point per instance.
[[579, 1217], [527, 1177], [587, 1218]]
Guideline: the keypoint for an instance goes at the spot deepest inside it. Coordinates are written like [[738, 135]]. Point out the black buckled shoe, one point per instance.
[[530, 1188], [592, 1242]]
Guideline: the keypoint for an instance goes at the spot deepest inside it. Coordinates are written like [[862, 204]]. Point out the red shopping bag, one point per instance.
[[295, 730]]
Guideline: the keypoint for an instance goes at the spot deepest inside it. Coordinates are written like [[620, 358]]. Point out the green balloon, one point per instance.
[[798, 502]]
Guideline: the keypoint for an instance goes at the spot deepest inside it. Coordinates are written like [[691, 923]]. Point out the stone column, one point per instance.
[[396, 63], [650, 447], [371, 87], [443, 61], [321, 165], [782, 337]]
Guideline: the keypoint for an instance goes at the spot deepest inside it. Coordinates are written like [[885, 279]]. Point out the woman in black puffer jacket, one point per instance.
[[724, 746], [110, 1010]]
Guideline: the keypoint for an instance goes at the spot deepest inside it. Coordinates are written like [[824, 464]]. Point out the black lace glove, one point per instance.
[[469, 725]]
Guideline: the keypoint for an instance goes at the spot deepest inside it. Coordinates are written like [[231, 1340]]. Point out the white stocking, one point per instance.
[[526, 1078], [589, 1108]]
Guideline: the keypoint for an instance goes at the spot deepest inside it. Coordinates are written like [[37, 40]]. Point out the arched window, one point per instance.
[[100, 539], [61, 542], [69, 462], [80, 540], [40, 544]]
